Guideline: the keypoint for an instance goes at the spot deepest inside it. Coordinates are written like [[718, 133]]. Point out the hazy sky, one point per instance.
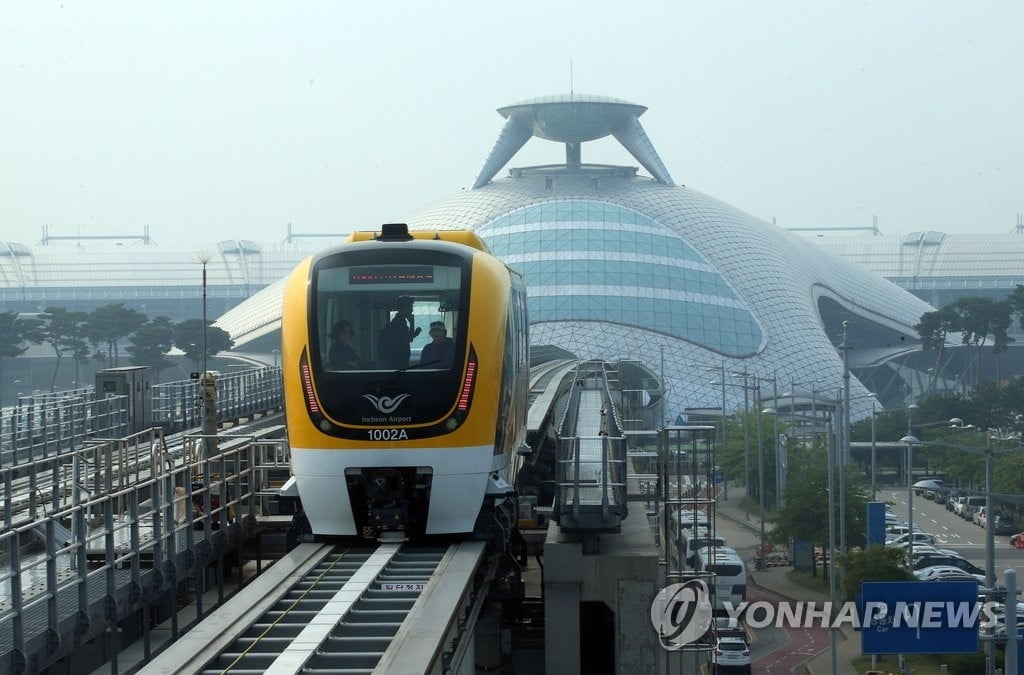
[[219, 120]]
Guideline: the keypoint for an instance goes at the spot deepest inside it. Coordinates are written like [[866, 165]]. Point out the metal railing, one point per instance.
[[122, 550], [46, 425], [591, 471], [32, 488], [177, 405]]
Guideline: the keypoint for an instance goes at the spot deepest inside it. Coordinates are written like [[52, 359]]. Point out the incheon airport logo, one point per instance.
[[682, 613]]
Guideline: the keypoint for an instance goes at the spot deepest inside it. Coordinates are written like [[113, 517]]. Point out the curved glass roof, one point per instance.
[[590, 260]]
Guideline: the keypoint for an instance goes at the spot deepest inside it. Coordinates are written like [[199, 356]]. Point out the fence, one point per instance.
[[177, 405], [102, 558], [47, 425]]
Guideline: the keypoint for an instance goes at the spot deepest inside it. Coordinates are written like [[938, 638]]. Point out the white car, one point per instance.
[[893, 531], [733, 652], [919, 538], [998, 629], [947, 573], [926, 549]]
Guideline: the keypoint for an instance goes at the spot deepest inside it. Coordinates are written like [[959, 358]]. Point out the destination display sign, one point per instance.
[[391, 274]]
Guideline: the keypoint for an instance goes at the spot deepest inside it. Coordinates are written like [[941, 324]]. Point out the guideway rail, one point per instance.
[[591, 470], [334, 609]]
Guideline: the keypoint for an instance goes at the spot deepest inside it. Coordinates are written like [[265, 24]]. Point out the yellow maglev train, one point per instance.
[[405, 359]]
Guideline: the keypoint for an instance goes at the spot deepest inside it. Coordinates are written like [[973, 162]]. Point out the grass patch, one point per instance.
[[818, 583]]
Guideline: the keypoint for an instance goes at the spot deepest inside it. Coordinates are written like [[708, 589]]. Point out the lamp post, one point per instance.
[[760, 473], [911, 441], [746, 445], [830, 448], [780, 468], [910, 432], [874, 493], [990, 564], [661, 349], [990, 549], [205, 384], [831, 544]]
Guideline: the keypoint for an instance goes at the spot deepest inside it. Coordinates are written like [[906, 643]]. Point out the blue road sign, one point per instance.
[[920, 617], [876, 523]]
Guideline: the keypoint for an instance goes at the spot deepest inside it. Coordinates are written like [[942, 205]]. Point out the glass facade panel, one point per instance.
[[589, 260]]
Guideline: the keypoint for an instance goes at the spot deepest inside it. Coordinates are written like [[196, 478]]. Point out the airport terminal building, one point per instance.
[[619, 264]]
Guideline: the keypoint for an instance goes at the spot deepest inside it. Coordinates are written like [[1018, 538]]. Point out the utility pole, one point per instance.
[[844, 445]]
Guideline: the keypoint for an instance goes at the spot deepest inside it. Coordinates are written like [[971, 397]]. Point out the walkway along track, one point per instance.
[[326, 608]]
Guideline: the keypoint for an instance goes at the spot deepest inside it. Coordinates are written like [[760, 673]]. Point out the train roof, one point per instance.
[[401, 232]]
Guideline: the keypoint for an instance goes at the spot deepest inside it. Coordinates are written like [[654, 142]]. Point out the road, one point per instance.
[[774, 651], [954, 533]]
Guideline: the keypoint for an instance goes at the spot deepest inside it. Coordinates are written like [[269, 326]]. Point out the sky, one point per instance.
[[230, 120]]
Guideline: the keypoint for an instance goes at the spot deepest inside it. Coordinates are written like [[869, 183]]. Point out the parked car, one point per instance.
[[970, 505], [958, 504], [927, 484], [893, 531], [733, 652], [925, 549], [952, 500], [932, 560], [919, 538], [980, 516], [947, 573], [1003, 525], [998, 627]]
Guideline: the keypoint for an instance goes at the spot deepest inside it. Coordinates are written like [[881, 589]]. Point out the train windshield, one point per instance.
[[389, 316]]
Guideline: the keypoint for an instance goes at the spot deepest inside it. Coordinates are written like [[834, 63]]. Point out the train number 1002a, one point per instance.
[[388, 435]]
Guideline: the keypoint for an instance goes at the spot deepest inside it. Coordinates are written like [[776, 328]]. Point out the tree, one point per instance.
[[188, 337], [733, 456], [805, 515], [15, 336], [875, 563], [150, 344], [63, 331], [933, 329], [110, 324], [979, 318], [1016, 300]]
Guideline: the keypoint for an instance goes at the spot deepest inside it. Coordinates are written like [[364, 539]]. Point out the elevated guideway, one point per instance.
[[106, 539], [330, 609], [591, 475]]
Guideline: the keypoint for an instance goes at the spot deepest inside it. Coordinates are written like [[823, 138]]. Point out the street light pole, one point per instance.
[[910, 441], [990, 548], [760, 472], [661, 348], [780, 477], [831, 542], [746, 443], [844, 447], [725, 436], [874, 493]]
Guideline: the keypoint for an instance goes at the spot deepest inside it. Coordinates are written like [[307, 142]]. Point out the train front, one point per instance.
[[393, 352]]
